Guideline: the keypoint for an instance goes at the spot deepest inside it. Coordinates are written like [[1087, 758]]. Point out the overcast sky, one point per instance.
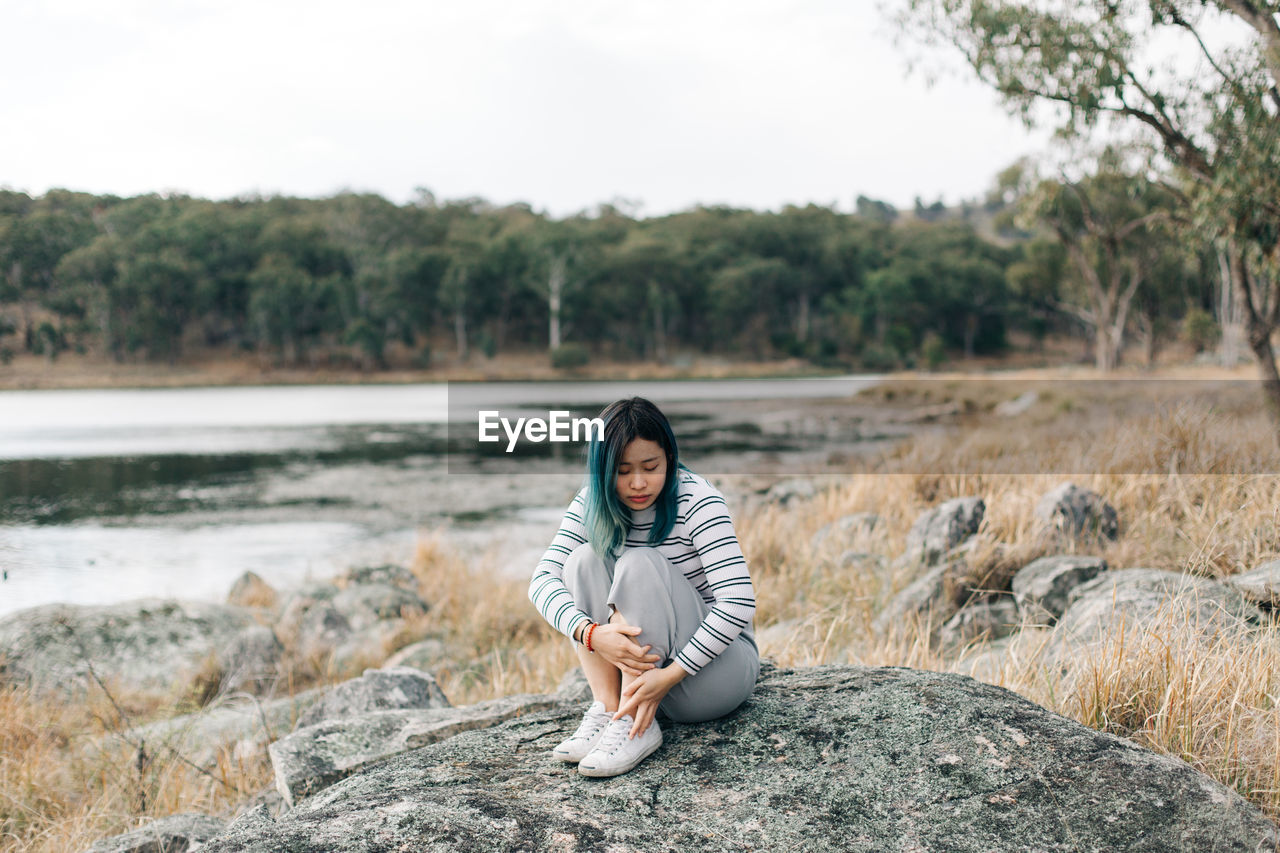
[[559, 103]]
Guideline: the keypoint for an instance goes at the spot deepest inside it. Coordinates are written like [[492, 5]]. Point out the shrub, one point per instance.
[[569, 356], [878, 358], [1199, 329], [933, 350]]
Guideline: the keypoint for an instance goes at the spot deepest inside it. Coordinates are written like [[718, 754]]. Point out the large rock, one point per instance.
[[364, 605], [387, 689], [251, 661], [250, 590], [1043, 586], [315, 757], [148, 644], [844, 530], [237, 725], [790, 492], [933, 597], [988, 620], [347, 626], [1261, 585], [173, 834], [426, 654], [831, 758], [389, 574], [1135, 597], [1077, 514], [936, 531]]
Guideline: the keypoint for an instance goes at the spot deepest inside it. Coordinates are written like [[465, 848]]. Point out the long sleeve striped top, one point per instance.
[[702, 544]]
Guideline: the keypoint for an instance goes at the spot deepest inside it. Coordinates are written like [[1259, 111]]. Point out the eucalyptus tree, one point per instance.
[[34, 237], [568, 255], [1114, 227], [1217, 124]]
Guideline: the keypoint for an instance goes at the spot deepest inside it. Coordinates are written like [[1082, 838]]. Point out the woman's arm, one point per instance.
[[711, 530], [546, 589]]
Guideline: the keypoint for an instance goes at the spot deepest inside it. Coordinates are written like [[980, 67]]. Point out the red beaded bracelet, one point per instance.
[[590, 629]]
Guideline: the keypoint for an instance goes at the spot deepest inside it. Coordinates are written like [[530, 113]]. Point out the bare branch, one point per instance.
[[1180, 21]]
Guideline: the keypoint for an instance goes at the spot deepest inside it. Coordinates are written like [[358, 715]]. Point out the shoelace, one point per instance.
[[615, 735], [591, 726]]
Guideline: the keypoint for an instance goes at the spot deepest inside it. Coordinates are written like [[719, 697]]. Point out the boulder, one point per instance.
[[984, 619], [857, 560], [1043, 586], [573, 687], [987, 661], [937, 531], [237, 724], [249, 590], [1135, 597], [1077, 514], [934, 596], [1018, 405], [173, 834], [314, 757], [790, 492], [365, 605], [321, 629], [251, 661], [348, 627], [844, 530], [147, 644], [829, 758], [1261, 585], [387, 575], [387, 689], [425, 655]]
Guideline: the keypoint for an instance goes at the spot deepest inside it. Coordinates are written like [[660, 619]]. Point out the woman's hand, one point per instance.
[[641, 697], [614, 643]]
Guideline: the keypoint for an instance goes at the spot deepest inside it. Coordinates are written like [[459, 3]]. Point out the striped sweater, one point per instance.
[[702, 544]]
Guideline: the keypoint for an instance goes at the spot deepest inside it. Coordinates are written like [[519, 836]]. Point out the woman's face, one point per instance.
[[642, 473]]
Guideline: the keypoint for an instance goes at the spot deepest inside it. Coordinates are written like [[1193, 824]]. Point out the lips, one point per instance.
[[638, 499]]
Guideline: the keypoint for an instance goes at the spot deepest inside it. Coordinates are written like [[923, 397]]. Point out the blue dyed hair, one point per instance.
[[608, 518]]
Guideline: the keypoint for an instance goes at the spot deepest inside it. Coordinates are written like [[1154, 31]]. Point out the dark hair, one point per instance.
[[607, 518]]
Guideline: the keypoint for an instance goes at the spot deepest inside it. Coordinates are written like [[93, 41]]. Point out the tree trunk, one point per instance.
[[659, 330], [1102, 349], [555, 292], [1260, 343], [1230, 319], [460, 332], [802, 318], [1263, 311]]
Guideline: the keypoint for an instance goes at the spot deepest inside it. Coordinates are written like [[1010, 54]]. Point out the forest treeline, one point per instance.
[[355, 279]]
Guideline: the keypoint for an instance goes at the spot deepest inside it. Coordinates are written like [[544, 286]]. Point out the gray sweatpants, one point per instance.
[[652, 593]]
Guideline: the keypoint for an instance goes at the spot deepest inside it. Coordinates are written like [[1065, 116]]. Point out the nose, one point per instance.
[[637, 480]]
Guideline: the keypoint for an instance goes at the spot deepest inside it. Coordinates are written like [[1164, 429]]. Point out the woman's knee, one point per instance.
[[641, 565], [581, 561]]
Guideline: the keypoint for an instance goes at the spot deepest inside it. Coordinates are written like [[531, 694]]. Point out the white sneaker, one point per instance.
[[616, 753], [592, 728]]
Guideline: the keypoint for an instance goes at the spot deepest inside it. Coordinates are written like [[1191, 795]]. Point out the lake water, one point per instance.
[[108, 495]]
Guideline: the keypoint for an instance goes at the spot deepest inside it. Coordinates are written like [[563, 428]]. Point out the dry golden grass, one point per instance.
[[1195, 486], [1209, 701], [63, 785], [501, 644]]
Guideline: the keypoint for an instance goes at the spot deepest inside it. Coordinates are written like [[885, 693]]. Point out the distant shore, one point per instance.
[[77, 371], [72, 371]]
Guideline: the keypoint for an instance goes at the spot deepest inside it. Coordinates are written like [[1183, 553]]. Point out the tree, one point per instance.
[[1110, 224], [1217, 126]]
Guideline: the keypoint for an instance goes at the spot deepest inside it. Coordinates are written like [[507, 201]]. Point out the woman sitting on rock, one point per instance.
[[647, 578]]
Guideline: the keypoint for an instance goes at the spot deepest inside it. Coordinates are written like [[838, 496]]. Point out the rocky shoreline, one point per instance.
[[861, 758]]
